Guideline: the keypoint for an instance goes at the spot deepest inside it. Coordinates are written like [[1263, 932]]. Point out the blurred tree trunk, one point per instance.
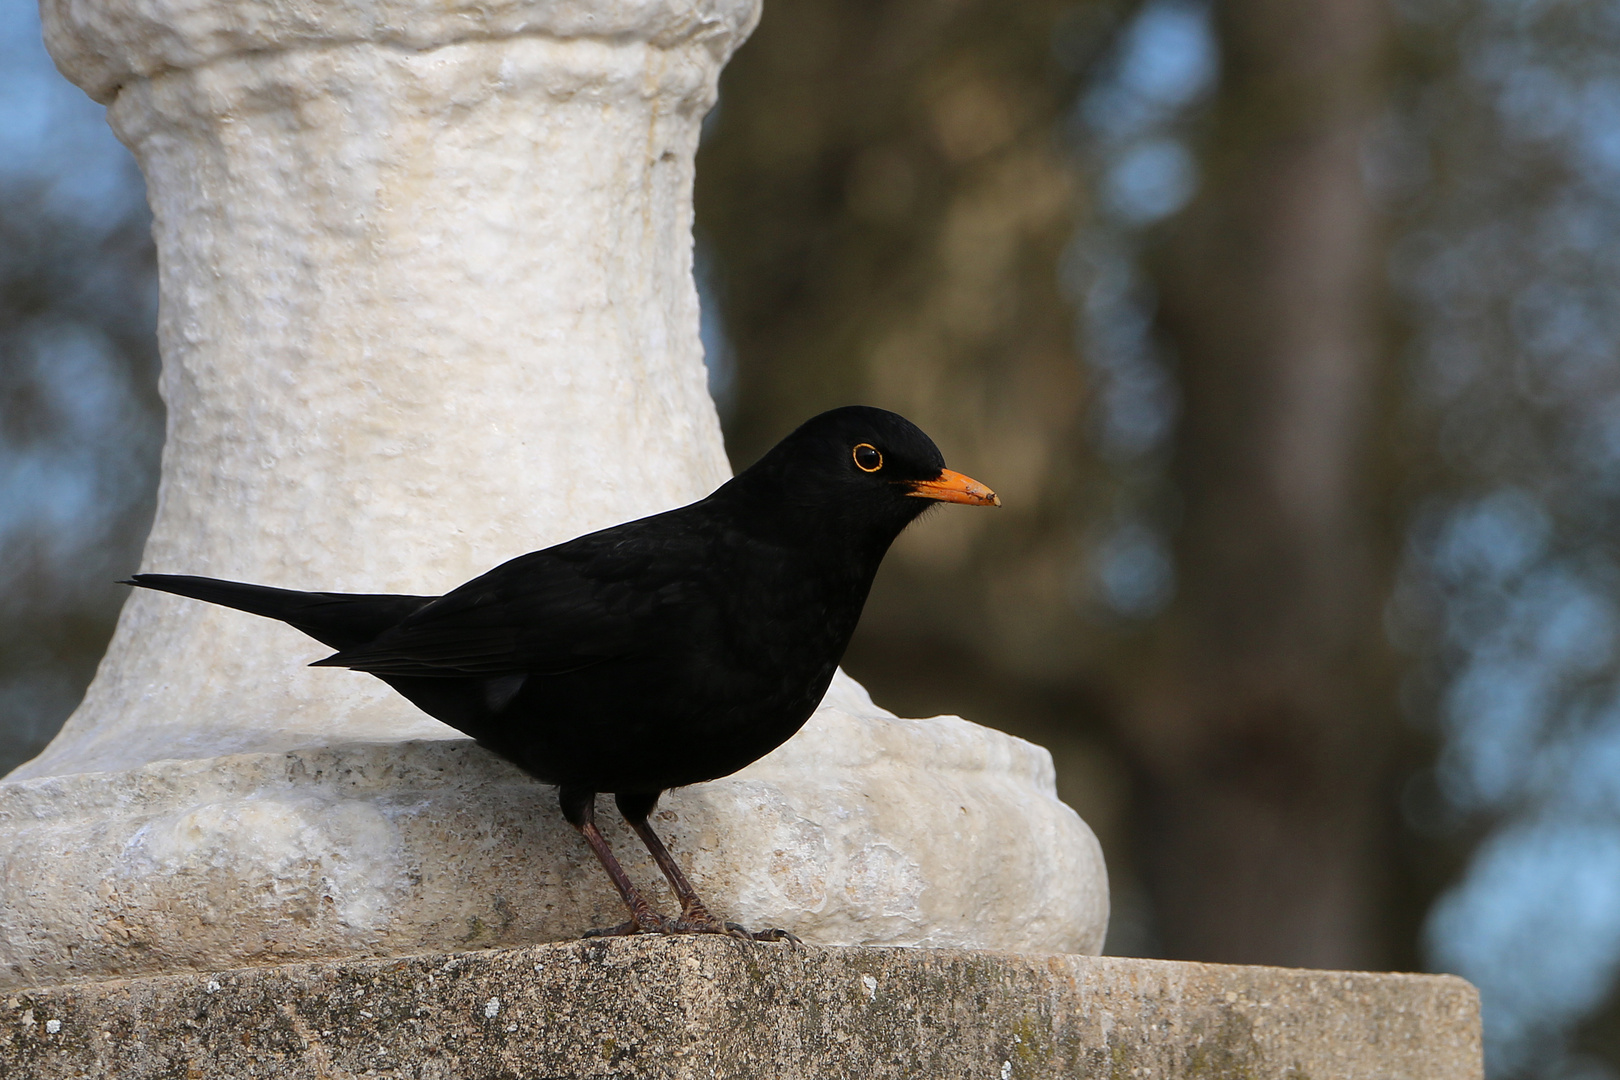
[[1262, 724]]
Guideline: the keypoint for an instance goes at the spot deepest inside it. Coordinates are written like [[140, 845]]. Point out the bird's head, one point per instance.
[[859, 468]]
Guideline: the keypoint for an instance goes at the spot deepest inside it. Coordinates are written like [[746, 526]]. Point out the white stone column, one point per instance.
[[427, 304]]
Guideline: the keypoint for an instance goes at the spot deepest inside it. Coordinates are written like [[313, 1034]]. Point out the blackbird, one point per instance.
[[661, 652]]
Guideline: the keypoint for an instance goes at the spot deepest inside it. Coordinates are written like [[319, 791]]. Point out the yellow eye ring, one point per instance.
[[868, 458]]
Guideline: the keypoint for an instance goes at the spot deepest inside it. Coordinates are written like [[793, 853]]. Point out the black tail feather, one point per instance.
[[340, 620]]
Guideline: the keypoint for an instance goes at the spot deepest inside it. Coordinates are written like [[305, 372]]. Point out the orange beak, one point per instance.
[[954, 487]]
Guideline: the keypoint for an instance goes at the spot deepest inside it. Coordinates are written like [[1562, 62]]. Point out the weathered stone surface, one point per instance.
[[103, 46], [865, 829], [718, 1008]]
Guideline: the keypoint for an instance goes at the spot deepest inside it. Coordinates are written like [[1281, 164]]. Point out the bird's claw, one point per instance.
[[651, 923], [690, 923], [741, 932], [704, 923], [700, 923]]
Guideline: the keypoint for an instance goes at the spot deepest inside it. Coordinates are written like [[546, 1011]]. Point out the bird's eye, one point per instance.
[[867, 458]]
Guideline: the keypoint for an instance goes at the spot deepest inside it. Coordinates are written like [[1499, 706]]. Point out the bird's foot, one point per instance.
[[699, 922], [650, 923], [702, 922]]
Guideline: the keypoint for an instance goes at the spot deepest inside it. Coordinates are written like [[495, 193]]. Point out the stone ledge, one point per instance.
[[864, 829], [679, 1008]]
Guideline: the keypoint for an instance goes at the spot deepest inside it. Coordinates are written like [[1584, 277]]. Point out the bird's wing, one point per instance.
[[597, 598]]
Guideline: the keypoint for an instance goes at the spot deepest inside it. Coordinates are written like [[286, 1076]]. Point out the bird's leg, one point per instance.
[[579, 807], [636, 807], [695, 916]]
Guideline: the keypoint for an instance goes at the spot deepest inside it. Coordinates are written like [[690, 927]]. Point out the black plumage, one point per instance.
[[657, 653]]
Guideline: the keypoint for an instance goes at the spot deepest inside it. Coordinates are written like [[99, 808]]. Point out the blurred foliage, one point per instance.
[[80, 431], [1501, 158]]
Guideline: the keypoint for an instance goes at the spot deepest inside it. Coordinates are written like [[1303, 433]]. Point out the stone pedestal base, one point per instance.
[[865, 829], [678, 1008]]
